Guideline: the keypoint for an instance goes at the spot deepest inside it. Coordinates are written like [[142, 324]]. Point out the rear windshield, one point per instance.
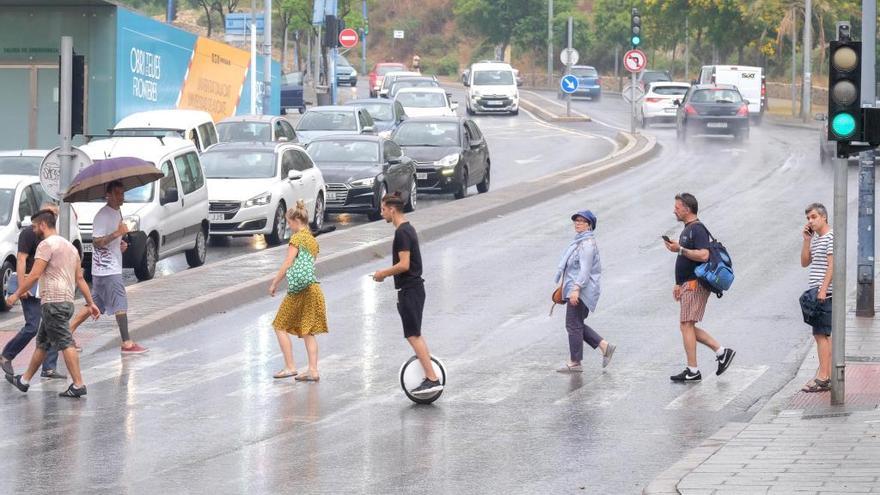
[[716, 96], [669, 90], [327, 121], [344, 151], [421, 100], [441, 134], [655, 76], [244, 164], [493, 78], [379, 110], [385, 69], [584, 72], [244, 131], [20, 165]]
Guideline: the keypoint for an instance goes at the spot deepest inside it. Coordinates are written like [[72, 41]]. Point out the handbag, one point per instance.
[[556, 296], [301, 273]]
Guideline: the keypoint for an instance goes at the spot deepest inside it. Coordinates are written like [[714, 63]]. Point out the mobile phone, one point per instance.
[[666, 238]]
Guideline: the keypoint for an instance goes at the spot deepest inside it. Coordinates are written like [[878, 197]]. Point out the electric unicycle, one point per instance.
[[412, 374]]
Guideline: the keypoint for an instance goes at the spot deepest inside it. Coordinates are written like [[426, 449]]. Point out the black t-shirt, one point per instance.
[[406, 239], [27, 243], [694, 236]]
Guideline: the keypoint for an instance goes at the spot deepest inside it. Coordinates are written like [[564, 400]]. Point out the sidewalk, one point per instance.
[[798, 442]]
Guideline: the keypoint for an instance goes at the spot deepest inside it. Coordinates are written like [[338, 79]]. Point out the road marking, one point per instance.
[[715, 394], [610, 126], [179, 382], [535, 159]]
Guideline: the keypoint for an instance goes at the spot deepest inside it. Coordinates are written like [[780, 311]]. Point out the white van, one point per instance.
[[492, 88], [165, 217], [748, 80], [195, 125]]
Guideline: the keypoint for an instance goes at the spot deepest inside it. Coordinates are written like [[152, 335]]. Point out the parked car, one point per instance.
[[360, 170], [647, 77], [389, 79], [589, 83], [345, 73], [195, 125], [251, 186], [386, 114], [712, 109], [658, 104], [377, 75], [492, 88], [21, 162], [165, 217], [749, 81], [20, 197], [292, 93], [255, 128], [334, 119], [412, 82], [426, 102], [451, 154]]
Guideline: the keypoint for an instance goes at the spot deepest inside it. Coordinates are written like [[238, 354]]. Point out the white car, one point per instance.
[[426, 102], [165, 217], [389, 79], [194, 125], [491, 87], [658, 104], [252, 185]]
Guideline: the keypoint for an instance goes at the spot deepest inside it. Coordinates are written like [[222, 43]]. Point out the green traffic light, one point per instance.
[[636, 40], [843, 125]]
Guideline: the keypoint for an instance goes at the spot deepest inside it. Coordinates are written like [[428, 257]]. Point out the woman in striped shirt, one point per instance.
[[817, 252]]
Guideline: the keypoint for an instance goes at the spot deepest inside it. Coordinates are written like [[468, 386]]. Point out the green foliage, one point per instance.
[[443, 66]]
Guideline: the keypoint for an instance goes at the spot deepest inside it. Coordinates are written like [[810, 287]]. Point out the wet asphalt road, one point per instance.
[[201, 412]]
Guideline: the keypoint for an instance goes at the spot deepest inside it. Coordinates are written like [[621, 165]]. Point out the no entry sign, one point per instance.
[[348, 38]]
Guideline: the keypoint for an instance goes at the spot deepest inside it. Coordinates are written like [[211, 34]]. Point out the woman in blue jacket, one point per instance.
[[580, 272]]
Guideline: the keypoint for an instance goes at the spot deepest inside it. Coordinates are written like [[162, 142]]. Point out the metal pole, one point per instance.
[[632, 103], [869, 52], [806, 104], [334, 52], [838, 282], [267, 52], [170, 13], [364, 41], [793, 64], [866, 236], [568, 67], [253, 68], [65, 125], [687, 48], [550, 43], [617, 67]]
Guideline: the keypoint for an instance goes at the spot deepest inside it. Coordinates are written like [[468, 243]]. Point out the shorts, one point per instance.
[[108, 291], [54, 331], [693, 301], [410, 305], [825, 328]]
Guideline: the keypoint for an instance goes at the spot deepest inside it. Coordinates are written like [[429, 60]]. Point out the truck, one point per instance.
[[748, 80]]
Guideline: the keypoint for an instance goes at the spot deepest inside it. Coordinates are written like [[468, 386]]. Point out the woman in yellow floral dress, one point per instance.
[[303, 313]]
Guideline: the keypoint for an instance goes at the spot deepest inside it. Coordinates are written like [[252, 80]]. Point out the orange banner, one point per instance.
[[215, 78]]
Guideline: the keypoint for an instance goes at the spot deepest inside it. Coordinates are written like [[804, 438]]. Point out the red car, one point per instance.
[[378, 74]]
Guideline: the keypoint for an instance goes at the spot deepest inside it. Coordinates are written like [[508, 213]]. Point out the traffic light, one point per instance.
[[331, 31], [635, 28], [844, 83]]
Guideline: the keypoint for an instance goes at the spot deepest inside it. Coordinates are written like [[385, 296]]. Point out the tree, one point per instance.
[[497, 21], [207, 6], [230, 6]]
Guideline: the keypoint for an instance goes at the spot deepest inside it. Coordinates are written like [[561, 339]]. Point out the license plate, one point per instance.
[[87, 247], [669, 110], [332, 196], [214, 217], [717, 125], [494, 103], [421, 175]]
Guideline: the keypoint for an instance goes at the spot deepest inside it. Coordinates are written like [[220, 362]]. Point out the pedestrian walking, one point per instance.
[[30, 306], [57, 267], [303, 311], [817, 253], [579, 275], [416, 63], [693, 249], [407, 273], [108, 230]]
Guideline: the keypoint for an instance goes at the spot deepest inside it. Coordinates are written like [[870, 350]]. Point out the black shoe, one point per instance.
[[687, 376], [6, 364], [427, 387], [73, 392], [52, 374], [16, 382], [724, 360]]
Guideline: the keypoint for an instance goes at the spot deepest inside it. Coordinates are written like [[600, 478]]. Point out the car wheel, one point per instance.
[[196, 256], [598, 98], [146, 269], [302, 110], [515, 112], [644, 120], [279, 227], [468, 109], [377, 213], [320, 213], [463, 186], [6, 272], [483, 186], [413, 196]]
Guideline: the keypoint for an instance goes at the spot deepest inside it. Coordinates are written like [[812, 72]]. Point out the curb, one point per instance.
[[783, 122], [545, 115], [457, 215]]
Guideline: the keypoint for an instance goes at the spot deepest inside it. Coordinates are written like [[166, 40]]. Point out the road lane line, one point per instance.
[[593, 119], [715, 394]]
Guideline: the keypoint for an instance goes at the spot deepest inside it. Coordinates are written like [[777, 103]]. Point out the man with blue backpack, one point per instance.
[[695, 249]]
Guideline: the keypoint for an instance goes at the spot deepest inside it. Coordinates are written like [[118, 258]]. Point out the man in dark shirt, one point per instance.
[[30, 306], [407, 273], [693, 250]]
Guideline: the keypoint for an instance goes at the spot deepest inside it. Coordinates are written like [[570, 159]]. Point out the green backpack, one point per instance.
[[301, 273]]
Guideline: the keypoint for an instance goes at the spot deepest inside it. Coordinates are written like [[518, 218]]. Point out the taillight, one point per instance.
[[653, 100], [599, 81], [690, 110], [743, 111]]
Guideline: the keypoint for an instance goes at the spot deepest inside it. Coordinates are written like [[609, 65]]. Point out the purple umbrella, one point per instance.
[[91, 182]]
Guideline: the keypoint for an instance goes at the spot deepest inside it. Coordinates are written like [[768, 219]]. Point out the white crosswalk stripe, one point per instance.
[[714, 393]]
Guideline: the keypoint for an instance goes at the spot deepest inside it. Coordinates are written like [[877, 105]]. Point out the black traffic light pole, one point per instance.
[[635, 39]]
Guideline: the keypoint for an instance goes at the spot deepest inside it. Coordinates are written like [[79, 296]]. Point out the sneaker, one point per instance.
[[570, 368], [52, 374], [7, 366], [16, 382], [609, 351], [427, 387], [724, 360], [134, 349], [687, 376], [73, 392]]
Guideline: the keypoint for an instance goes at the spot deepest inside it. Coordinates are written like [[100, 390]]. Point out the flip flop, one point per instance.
[[306, 377], [285, 374], [817, 386]]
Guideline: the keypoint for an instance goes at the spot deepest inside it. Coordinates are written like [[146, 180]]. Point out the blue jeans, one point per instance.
[[32, 316]]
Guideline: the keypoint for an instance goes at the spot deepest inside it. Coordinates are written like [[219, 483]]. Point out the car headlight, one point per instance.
[[368, 182], [475, 94], [354, 73], [133, 222], [261, 200], [448, 160], [385, 134]]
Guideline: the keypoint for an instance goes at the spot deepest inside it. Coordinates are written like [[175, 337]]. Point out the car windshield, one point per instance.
[[421, 100], [655, 77], [293, 79], [340, 60], [670, 90], [584, 72], [716, 96], [244, 131], [239, 164], [415, 83], [20, 165], [385, 69], [327, 121], [344, 151], [379, 110], [6, 198], [493, 78], [428, 134], [147, 132]]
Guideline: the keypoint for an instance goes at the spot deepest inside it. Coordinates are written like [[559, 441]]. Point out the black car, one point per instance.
[[387, 114], [712, 109], [360, 170], [451, 154]]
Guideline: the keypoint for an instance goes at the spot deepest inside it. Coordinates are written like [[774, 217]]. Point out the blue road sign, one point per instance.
[[569, 84]]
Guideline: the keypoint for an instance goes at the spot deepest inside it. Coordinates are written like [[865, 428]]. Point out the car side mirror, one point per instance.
[[454, 105], [745, 101], [368, 129], [170, 195], [467, 83], [476, 144], [25, 222], [677, 102], [403, 117], [821, 117], [519, 82], [282, 139], [294, 175]]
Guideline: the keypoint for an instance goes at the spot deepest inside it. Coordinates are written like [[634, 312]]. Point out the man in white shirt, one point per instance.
[[108, 287]]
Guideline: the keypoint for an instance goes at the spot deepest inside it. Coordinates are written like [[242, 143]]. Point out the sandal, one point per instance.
[[817, 385], [307, 377], [285, 374]]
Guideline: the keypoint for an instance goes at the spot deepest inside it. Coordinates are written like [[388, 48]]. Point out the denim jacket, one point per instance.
[[584, 269]]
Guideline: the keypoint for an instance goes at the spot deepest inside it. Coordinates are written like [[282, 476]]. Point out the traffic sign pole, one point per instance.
[[65, 126], [568, 70], [634, 61]]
